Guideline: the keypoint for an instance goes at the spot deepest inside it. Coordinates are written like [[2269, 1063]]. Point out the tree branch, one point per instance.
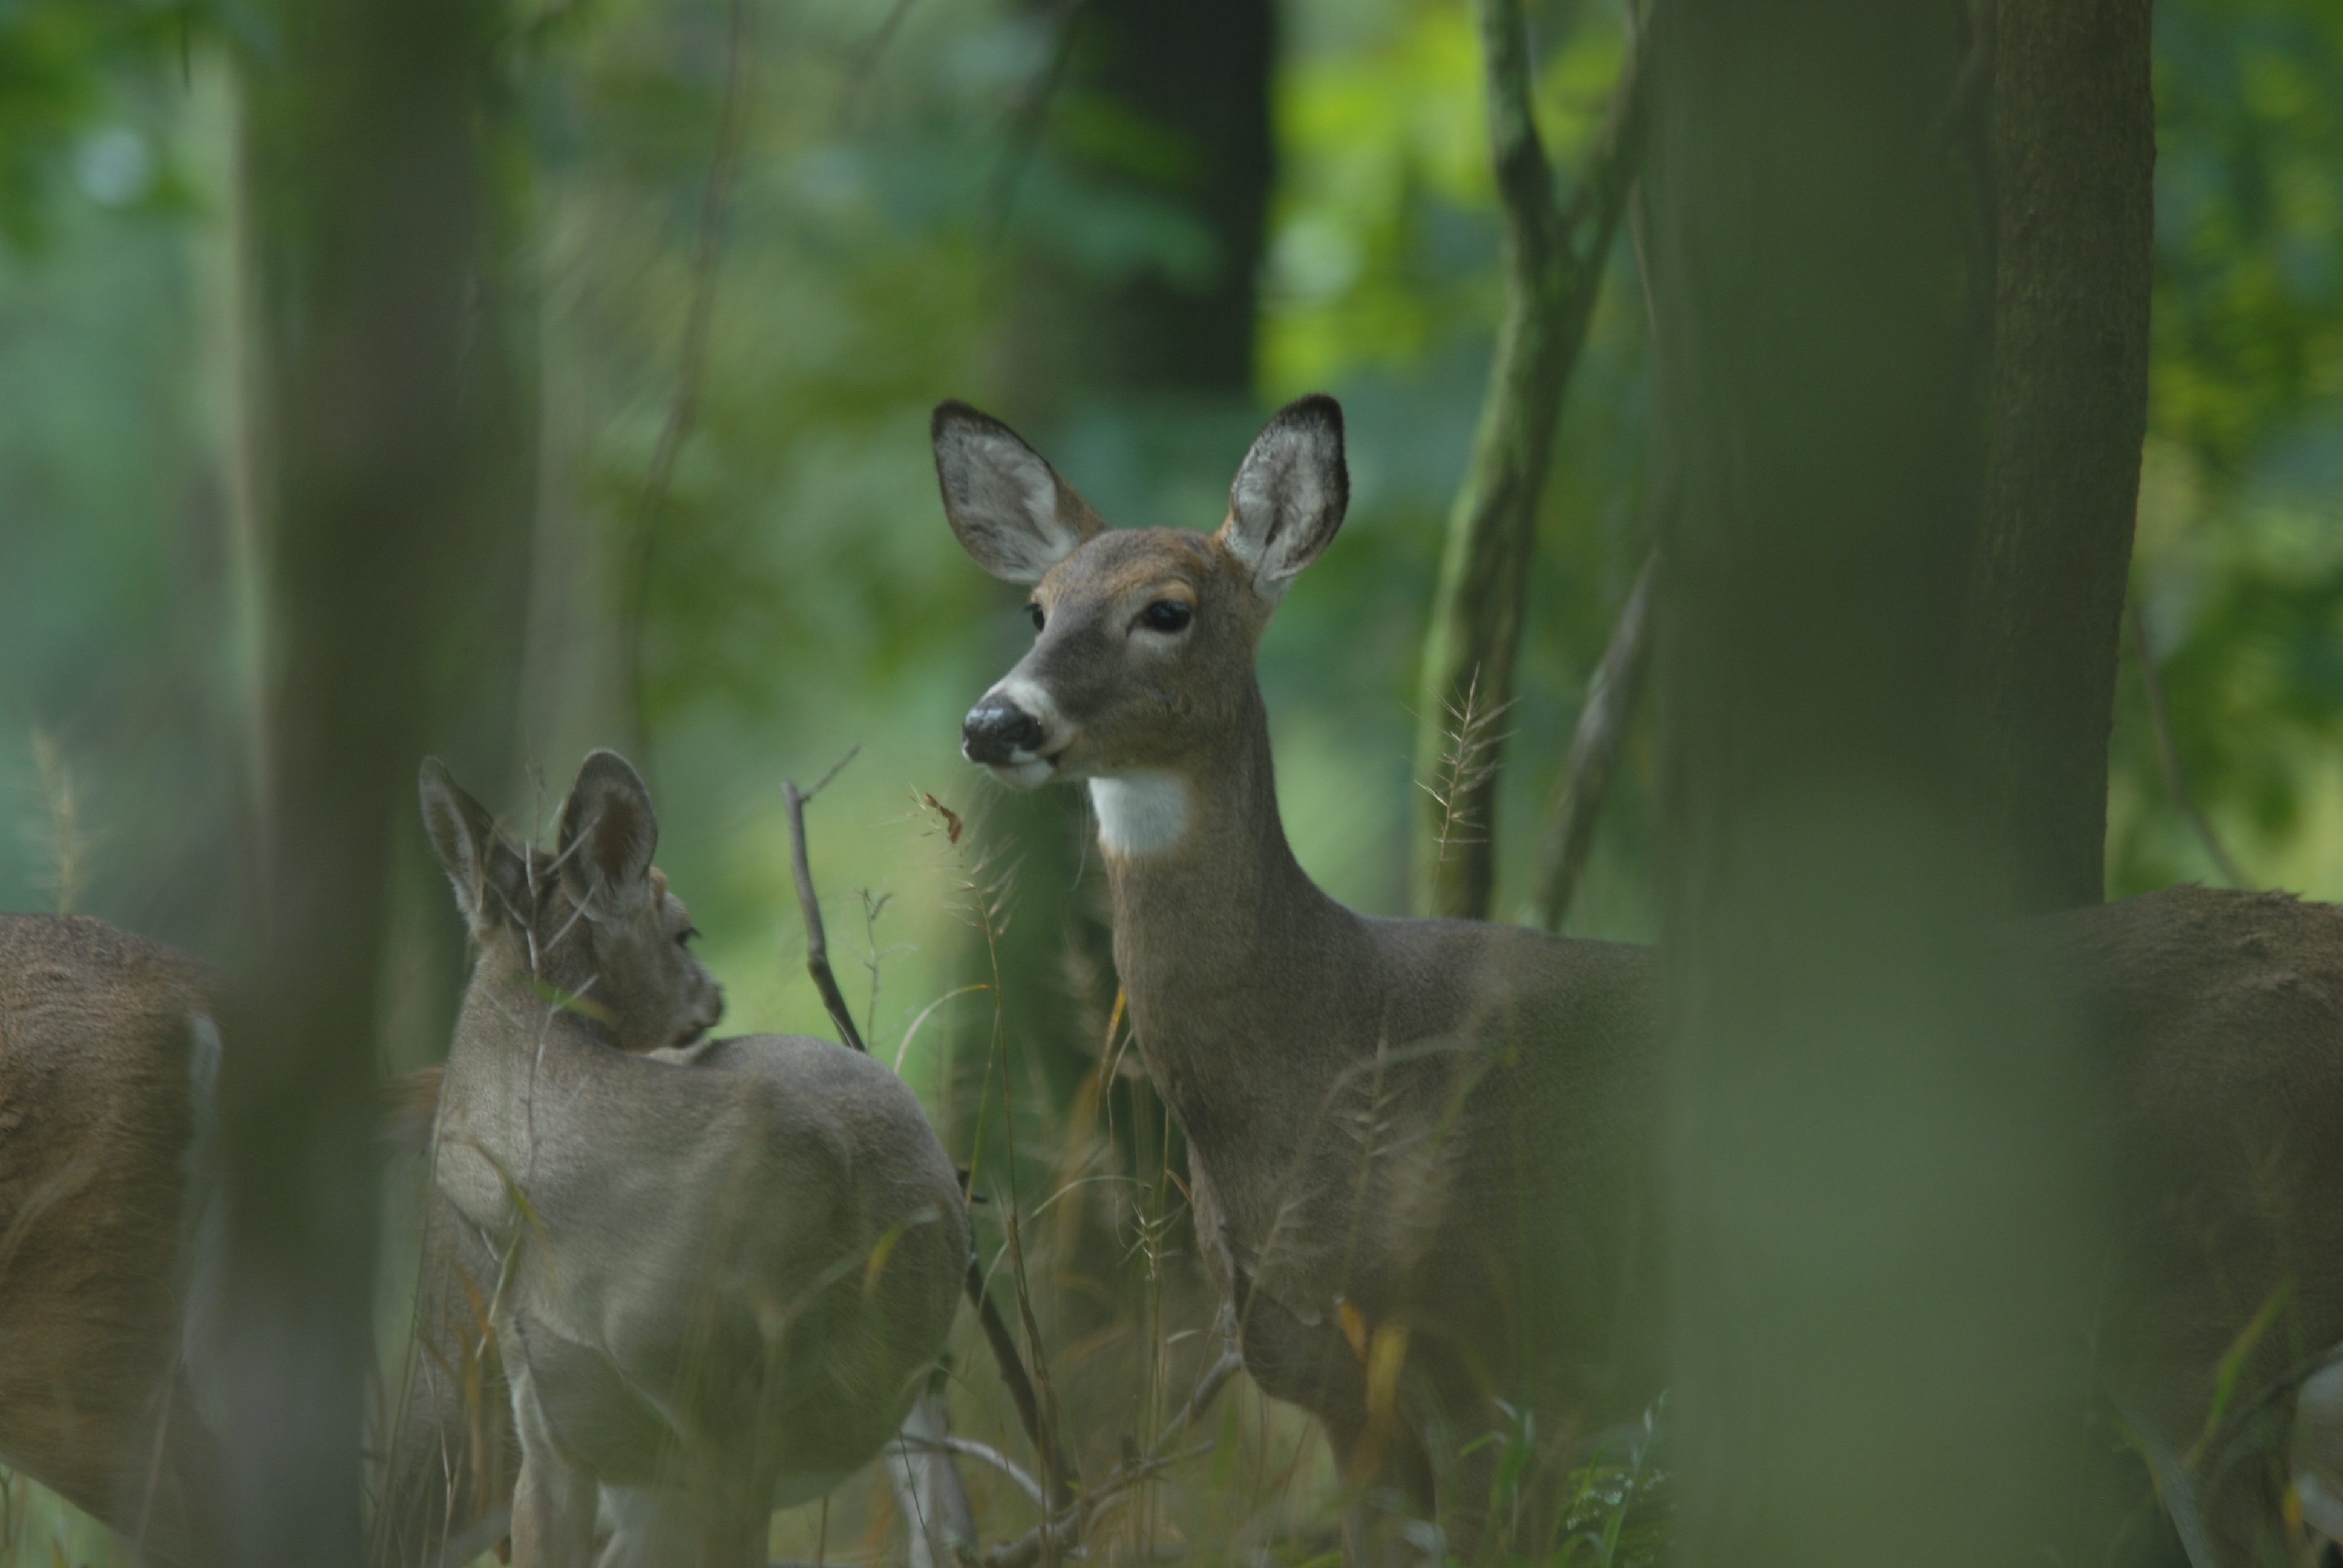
[[1553, 263], [1594, 747], [810, 906], [1071, 1524]]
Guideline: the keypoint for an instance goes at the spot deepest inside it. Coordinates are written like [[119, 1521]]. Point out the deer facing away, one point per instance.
[[1418, 1147], [109, 1053], [725, 1267]]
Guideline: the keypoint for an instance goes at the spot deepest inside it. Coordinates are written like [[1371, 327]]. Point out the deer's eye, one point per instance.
[[1038, 618], [1167, 615], [683, 937]]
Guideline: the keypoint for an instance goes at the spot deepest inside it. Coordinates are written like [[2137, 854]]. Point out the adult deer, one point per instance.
[[109, 1054], [1418, 1147], [724, 1267], [1414, 1144]]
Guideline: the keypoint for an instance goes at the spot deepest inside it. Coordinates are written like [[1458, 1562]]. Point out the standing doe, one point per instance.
[[1420, 1149], [724, 1268], [1414, 1144]]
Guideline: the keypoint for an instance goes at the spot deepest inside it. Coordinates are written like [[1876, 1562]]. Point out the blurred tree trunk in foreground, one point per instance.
[[362, 170], [2073, 157], [1880, 1217]]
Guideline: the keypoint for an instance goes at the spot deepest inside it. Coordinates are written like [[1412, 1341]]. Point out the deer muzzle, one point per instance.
[[999, 734]]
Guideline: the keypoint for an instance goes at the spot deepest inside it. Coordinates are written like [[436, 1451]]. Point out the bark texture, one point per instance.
[[1879, 1228], [2072, 159]]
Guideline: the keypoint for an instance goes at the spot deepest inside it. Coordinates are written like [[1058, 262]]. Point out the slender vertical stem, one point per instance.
[[1595, 749], [1554, 267]]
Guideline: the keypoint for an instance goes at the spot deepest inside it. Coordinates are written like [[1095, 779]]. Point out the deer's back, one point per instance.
[[766, 1234], [103, 1036], [2217, 1022]]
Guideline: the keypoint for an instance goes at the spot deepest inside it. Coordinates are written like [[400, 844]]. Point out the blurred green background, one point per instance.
[[935, 198]]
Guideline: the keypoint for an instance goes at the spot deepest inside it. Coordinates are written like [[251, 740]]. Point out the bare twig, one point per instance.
[[1057, 1473], [1595, 748], [1070, 1526], [996, 1331], [2167, 754], [1026, 121], [683, 409], [865, 66], [984, 1453], [817, 941], [1020, 1385]]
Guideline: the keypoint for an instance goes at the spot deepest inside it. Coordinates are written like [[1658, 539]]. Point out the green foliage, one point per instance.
[[2236, 563], [878, 255]]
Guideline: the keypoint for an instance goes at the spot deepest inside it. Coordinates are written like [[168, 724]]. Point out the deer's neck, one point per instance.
[[1227, 951]]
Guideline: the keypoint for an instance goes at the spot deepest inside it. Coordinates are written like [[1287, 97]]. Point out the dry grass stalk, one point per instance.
[[1469, 761]]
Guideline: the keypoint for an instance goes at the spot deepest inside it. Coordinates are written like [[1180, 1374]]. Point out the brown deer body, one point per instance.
[[1422, 1150], [109, 1052], [725, 1268]]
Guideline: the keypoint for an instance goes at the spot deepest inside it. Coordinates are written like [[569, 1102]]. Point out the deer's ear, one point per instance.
[[1011, 511], [608, 832], [491, 881], [1289, 495]]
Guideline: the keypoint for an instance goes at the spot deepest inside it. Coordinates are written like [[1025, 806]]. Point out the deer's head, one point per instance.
[[1144, 638], [594, 921]]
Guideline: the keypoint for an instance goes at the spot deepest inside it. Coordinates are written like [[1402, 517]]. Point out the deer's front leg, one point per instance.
[[554, 1501]]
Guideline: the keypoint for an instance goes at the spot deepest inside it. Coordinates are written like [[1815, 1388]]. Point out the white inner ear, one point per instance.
[[1010, 496], [1277, 492]]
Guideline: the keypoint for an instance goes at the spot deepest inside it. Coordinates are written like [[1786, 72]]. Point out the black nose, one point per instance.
[[997, 731]]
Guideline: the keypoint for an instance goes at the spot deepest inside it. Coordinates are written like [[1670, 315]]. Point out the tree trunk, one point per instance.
[[362, 176], [2072, 159], [1553, 265], [1165, 106], [1879, 1235]]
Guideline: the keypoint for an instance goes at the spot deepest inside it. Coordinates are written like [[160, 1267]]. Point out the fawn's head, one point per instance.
[[594, 921], [1144, 638]]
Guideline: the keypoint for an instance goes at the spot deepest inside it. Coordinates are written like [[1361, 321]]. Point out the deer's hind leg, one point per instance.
[[1388, 1478], [555, 1498], [670, 1526], [2225, 1492]]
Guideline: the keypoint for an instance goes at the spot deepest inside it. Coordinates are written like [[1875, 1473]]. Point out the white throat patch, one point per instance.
[[1143, 813]]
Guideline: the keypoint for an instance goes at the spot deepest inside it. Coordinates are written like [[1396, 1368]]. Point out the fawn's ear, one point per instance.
[[1011, 511], [491, 881], [1289, 495], [608, 834]]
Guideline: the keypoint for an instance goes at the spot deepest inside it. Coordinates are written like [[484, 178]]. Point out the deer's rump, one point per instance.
[[103, 1036], [762, 1268]]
